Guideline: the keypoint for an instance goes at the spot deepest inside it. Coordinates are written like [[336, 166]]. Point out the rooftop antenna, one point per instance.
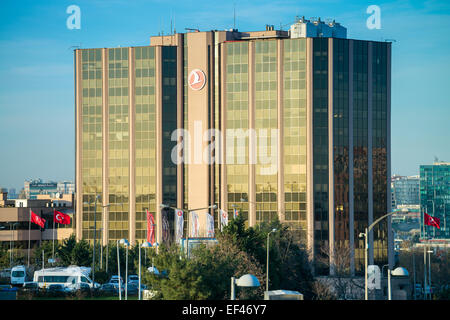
[[234, 15], [171, 18]]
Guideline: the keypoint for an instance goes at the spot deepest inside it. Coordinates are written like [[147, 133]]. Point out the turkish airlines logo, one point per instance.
[[197, 79]]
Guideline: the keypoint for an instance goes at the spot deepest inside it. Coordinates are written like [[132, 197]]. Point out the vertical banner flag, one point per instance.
[[236, 213], [223, 218], [179, 224], [209, 226], [61, 218], [150, 228], [431, 221], [37, 220], [194, 224], [165, 227]]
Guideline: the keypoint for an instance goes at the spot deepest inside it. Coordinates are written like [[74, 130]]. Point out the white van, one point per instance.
[[20, 275], [70, 277]]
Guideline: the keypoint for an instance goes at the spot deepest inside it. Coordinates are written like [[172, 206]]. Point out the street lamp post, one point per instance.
[[247, 280], [366, 249], [126, 243], [429, 270], [146, 244], [267, 264]]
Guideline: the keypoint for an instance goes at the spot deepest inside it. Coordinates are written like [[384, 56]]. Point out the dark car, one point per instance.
[[110, 289], [30, 287], [132, 289], [56, 290]]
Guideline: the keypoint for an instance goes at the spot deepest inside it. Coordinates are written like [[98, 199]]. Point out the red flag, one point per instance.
[[236, 213], [38, 220], [150, 228], [60, 217], [431, 221]]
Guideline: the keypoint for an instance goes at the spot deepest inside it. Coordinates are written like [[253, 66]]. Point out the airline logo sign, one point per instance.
[[197, 79]]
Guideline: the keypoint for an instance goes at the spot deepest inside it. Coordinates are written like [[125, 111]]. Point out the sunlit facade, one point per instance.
[[312, 115]]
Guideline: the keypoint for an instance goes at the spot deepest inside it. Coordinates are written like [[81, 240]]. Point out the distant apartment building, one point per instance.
[[65, 187], [435, 199], [405, 191], [15, 223], [33, 188]]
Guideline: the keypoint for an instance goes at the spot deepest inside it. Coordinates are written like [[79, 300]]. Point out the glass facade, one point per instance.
[[360, 148], [91, 138], [435, 199], [145, 135], [266, 119], [341, 142], [379, 150], [118, 144], [237, 118], [169, 125], [320, 150], [267, 67], [294, 124]]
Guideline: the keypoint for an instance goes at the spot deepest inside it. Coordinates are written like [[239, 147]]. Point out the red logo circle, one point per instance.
[[197, 79]]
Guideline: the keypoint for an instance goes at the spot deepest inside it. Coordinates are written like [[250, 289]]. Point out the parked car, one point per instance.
[[132, 289], [30, 286], [133, 278], [111, 289], [56, 289]]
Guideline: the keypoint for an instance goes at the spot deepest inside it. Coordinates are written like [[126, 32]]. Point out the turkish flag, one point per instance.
[[38, 220], [431, 221], [60, 217]]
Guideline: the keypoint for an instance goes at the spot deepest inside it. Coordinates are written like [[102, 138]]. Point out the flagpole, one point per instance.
[[29, 237], [53, 245]]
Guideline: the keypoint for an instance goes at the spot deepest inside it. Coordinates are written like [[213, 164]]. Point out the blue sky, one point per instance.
[[36, 67]]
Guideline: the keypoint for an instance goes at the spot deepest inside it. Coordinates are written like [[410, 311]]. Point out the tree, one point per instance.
[[65, 250], [288, 261], [208, 271], [342, 284], [81, 254]]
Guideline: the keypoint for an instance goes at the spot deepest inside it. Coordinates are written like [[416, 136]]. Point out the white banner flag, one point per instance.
[[194, 224], [179, 225], [223, 218], [209, 226]]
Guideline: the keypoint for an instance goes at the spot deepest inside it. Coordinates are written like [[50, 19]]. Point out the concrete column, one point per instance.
[[309, 149], [105, 148], [280, 115], [252, 157], [78, 146], [132, 147], [159, 137], [223, 122], [180, 116]]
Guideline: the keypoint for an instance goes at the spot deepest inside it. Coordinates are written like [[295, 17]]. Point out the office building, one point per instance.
[[35, 187], [302, 120], [435, 199], [15, 226], [405, 191]]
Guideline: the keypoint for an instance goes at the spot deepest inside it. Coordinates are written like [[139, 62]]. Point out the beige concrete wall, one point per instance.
[[198, 109], [78, 144], [309, 149]]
